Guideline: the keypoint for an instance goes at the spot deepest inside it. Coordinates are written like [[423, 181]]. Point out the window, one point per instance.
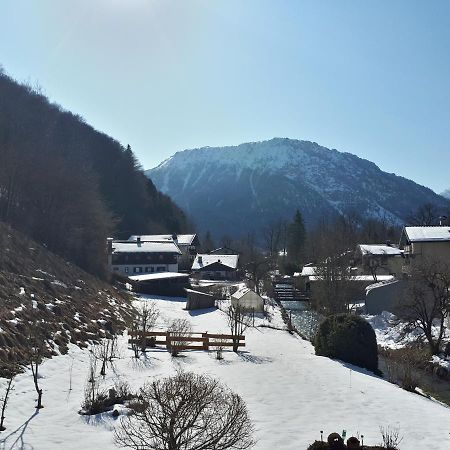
[[137, 269], [160, 269], [126, 269]]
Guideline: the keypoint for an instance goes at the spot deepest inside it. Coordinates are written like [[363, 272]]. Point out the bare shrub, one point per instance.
[[189, 412], [402, 365], [217, 345], [94, 397], [181, 330], [391, 437], [238, 322], [105, 352], [143, 322]]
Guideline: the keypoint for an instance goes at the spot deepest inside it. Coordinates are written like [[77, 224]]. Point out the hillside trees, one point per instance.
[[70, 186], [427, 302]]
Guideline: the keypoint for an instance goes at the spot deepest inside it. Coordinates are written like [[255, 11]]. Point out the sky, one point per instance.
[[367, 77]]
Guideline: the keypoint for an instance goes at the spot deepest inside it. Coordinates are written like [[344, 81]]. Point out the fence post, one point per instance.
[[168, 344], [206, 341]]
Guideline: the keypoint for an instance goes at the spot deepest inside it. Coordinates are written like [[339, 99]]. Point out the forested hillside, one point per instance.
[[70, 186]]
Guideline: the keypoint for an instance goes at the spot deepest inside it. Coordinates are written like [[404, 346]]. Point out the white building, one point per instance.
[[216, 267], [248, 300], [136, 257]]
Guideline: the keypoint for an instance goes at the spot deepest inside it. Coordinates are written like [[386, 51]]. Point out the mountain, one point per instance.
[[239, 189], [446, 193]]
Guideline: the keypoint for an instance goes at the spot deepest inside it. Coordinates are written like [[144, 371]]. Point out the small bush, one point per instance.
[[349, 338]]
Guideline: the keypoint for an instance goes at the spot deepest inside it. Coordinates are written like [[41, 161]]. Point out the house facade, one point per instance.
[[130, 258], [382, 259], [187, 243], [216, 266], [421, 243]]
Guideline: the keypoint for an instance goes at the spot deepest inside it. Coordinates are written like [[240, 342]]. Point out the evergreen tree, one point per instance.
[[296, 237], [208, 243]]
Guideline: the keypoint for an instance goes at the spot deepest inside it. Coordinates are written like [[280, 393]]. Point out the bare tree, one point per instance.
[[187, 412], [143, 322], [334, 287], [427, 301], [426, 215], [92, 393], [36, 354], [105, 352], [238, 322], [9, 372], [181, 331]]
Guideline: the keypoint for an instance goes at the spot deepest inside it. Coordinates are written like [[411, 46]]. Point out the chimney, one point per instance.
[[200, 260], [174, 237], [138, 240], [389, 243]]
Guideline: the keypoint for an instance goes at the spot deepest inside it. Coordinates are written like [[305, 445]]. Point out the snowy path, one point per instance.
[[291, 394]]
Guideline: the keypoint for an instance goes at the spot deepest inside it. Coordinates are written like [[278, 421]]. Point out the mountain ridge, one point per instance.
[[302, 174]]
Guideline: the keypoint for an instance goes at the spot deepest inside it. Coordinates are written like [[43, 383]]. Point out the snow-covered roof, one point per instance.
[[379, 249], [193, 291], [360, 278], [380, 283], [308, 271], [145, 247], [158, 276], [241, 292], [244, 291], [427, 234], [230, 261], [182, 239]]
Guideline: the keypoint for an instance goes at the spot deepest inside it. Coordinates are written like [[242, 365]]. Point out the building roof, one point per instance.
[[230, 261], [224, 251], [182, 239], [158, 276], [242, 292], [360, 278], [308, 271], [427, 234], [192, 291], [145, 247], [379, 249]]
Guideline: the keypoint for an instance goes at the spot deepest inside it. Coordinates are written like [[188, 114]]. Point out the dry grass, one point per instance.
[[35, 285]]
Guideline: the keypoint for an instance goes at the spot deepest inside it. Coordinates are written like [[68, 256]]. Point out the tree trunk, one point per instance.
[[39, 403]]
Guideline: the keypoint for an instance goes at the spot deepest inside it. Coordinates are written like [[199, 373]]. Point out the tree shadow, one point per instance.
[[99, 420], [18, 443], [144, 362], [199, 312], [248, 357]]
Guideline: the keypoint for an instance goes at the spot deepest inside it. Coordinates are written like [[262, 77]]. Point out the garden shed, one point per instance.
[[199, 300], [248, 300]]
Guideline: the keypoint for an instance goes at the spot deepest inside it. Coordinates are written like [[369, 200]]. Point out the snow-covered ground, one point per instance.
[[291, 393], [390, 333]]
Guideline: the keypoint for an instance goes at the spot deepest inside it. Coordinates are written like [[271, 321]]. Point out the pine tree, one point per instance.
[[296, 239]]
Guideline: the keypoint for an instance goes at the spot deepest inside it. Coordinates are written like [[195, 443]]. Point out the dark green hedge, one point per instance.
[[349, 338]]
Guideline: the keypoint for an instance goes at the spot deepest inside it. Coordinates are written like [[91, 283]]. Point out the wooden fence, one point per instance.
[[194, 341]]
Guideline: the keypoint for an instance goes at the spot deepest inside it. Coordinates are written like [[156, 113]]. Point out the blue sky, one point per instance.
[[368, 77]]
